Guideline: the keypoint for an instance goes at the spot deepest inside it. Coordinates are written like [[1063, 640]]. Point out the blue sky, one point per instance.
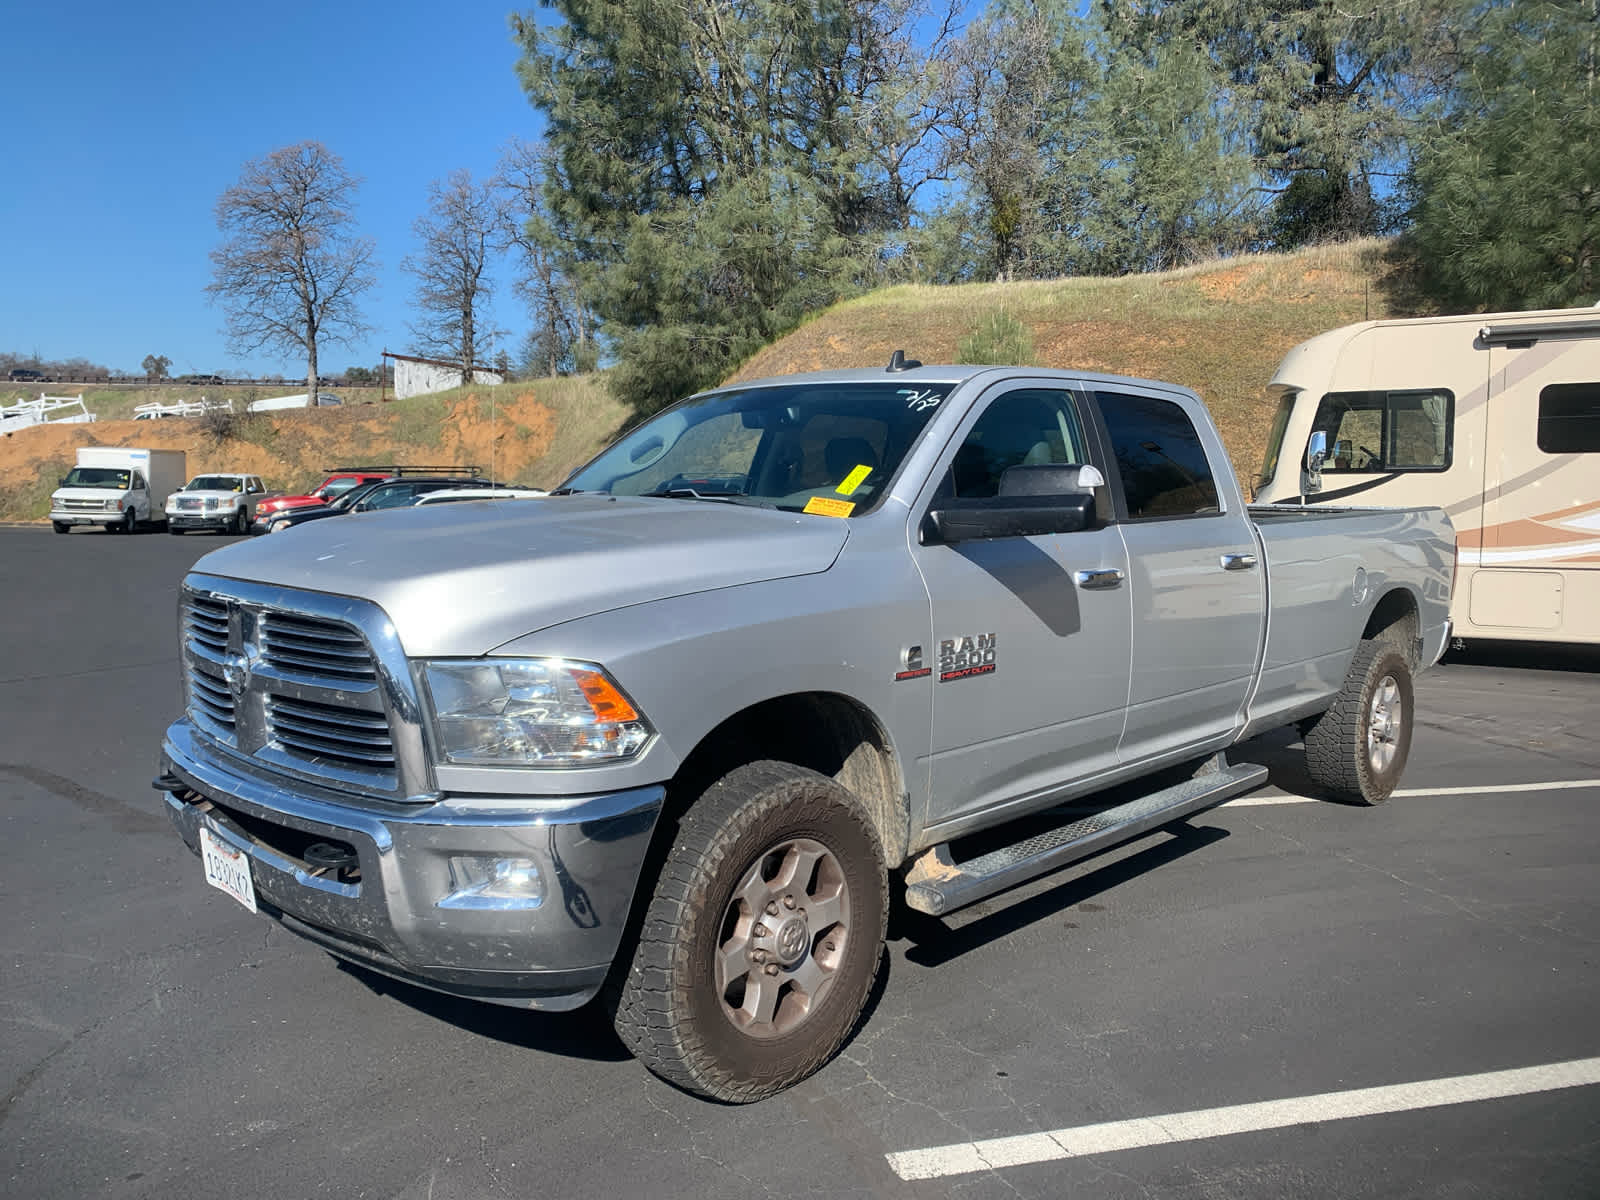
[[123, 123]]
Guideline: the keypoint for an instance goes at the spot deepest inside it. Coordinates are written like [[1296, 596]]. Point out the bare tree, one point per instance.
[[562, 337], [290, 268], [463, 222]]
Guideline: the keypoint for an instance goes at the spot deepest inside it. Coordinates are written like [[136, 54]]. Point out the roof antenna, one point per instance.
[[899, 362]]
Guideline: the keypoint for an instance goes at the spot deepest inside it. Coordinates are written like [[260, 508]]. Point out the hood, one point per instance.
[[89, 493], [208, 494], [461, 579]]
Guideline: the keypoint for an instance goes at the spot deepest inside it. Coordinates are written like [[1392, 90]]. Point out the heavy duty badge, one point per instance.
[[964, 657]]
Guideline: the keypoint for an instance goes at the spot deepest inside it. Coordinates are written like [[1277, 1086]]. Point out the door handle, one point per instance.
[[1098, 579], [1238, 562]]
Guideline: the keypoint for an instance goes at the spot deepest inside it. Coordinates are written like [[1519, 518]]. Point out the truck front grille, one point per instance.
[[304, 685], [318, 734], [189, 503], [316, 648]]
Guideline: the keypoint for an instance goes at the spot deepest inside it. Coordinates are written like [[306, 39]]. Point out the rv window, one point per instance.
[[1569, 418], [1386, 431], [1280, 426]]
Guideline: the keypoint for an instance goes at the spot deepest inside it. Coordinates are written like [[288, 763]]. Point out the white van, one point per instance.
[[302, 400], [1494, 418], [117, 487]]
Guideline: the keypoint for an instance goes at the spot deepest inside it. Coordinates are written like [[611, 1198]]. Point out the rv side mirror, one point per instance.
[[1316, 455]]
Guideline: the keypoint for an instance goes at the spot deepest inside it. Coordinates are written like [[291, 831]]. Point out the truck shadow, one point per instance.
[[934, 942], [1528, 656], [585, 1033]]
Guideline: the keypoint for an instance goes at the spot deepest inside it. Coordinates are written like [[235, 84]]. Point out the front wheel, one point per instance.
[[241, 522], [1357, 750], [762, 941], [60, 526]]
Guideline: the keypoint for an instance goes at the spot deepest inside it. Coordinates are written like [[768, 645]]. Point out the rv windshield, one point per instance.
[[113, 478], [827, 448], [1280, 426]]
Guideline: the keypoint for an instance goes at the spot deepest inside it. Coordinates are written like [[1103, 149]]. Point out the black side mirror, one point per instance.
[[1006, 516]]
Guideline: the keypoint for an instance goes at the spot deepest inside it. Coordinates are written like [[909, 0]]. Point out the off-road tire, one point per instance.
[[1357, 750], [667, 1006]]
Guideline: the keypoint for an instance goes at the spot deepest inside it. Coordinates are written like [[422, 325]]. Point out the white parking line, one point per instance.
[[1485, 789], [965, 1157]]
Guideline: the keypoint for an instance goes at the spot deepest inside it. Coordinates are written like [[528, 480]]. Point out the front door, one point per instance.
[[1029, 666]]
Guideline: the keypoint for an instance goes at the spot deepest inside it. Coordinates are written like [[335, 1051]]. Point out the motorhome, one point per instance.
[[118, 488], [1494, 418]]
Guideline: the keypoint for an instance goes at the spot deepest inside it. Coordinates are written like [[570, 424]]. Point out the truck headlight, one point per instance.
[[535, 712]]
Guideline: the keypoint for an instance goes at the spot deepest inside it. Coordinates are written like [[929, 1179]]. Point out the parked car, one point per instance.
[[24, 375], [224, 503], [340, 480], [302, 400], [450, 495], [682, 742], [387, 493]]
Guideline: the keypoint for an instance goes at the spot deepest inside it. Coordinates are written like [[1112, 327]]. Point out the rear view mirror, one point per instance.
[[1316, 455]]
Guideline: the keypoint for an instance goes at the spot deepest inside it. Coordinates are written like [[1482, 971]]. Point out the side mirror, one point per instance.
[[1316, 455], [956, 520]]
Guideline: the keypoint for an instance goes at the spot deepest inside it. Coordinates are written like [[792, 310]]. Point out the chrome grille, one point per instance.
[[189, 503], [326, 733], [309, 646], [84, 505], [305, 685]]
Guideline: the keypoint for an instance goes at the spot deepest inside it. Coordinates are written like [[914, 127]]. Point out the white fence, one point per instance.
[[183, 408], [46, 410]]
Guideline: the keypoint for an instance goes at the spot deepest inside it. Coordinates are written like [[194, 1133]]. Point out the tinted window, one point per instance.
[[1163, 466], [1026, 427], [1569, 418], [1386, 431]]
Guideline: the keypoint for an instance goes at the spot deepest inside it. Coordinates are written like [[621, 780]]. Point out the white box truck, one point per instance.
[[118, 488], [1493, 417]]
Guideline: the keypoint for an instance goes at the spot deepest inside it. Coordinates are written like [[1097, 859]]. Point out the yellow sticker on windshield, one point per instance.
[[853, 480], [825, 507]]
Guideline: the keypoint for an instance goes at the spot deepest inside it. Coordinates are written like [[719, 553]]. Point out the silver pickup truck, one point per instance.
[[672, 734]]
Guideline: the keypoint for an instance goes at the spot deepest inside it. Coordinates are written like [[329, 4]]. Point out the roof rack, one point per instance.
[[398, 469]]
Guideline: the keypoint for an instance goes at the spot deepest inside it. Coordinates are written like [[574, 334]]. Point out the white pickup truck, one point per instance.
[[671, 735], [223, 503]]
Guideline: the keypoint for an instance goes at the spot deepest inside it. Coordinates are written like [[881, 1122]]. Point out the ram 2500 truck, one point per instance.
[[672, 735]]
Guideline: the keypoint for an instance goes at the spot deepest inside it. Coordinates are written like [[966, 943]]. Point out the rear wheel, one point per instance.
[[1357, 750], [761, 943]]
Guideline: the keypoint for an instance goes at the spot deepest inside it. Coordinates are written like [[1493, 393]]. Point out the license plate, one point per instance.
[[227, 869]]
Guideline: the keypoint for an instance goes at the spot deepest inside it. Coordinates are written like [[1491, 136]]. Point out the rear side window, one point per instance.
[[1569, 418], [1163, 466], [1386, 431]]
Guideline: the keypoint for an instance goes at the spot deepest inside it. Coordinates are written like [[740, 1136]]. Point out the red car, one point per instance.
[[339, 481]]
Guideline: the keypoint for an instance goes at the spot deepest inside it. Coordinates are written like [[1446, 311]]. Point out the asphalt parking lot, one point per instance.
[[1281, 998]]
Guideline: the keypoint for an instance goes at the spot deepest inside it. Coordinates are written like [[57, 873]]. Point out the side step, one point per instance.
[[937, 884]]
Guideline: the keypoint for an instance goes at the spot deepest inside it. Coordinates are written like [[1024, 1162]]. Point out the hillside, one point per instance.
[[1220, 328]]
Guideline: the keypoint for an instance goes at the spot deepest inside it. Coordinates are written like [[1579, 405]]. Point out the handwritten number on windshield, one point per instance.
[[920, 401]]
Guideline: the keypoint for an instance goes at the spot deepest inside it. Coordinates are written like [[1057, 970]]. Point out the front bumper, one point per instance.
[[191, 520], [77, 516], [384, 913]]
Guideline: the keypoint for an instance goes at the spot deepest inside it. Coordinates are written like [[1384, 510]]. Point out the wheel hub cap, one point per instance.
[[782, 938], [1385, 724]]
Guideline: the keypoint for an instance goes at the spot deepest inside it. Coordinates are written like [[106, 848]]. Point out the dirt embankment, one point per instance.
[[507, 435]]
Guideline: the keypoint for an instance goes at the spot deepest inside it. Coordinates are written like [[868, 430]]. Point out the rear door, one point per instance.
[[1028, 666], [1196, 586]]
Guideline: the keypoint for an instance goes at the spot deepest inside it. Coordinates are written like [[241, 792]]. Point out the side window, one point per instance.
[[138, 482], [1025, 427], [1386, 431], [1163, 466], [1569, 418], [393, 497]]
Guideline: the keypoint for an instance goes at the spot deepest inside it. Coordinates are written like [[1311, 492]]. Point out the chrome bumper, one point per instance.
[[384, 912]]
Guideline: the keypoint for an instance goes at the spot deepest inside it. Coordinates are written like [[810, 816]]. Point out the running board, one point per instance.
[[937, 884]]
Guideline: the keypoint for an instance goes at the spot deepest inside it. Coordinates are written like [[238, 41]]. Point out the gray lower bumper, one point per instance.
[[384, 913]]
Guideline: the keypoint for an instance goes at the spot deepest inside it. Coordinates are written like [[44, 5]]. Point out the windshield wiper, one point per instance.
[[688, 493]]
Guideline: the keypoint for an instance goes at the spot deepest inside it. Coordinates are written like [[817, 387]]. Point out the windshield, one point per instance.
[[827, 448], [214, 483], [97, 477], [337, 488], [353, 495], [1280, 425]]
